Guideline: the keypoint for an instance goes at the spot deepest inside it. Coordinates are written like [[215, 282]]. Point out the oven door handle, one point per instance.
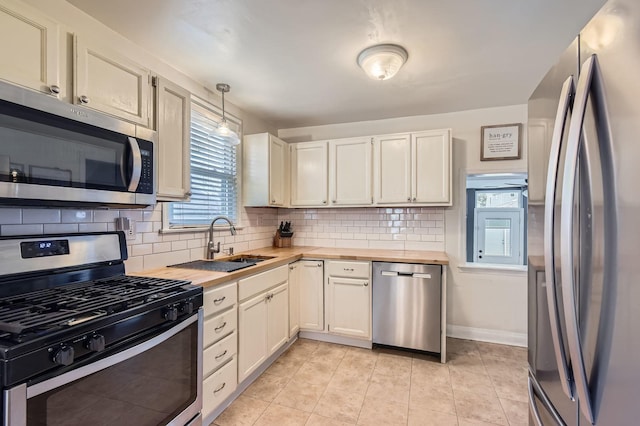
[[15, 399]]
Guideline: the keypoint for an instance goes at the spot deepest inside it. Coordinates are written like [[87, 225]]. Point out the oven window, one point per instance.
[[147, 390]]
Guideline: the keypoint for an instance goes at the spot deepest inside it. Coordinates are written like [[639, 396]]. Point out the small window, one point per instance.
[[496, 218], [214, 180]]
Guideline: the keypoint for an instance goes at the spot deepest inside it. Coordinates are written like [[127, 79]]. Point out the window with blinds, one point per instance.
[[214, 183]]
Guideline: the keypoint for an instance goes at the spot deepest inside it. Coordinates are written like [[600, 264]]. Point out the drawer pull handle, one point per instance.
[[348, 269], [220, 388], [221, 327], [220, 300], [221, 355]]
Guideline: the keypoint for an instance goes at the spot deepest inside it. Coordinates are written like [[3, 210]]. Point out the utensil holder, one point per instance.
[[281, 241]]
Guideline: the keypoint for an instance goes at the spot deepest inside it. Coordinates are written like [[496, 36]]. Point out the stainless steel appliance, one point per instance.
[[57, 154], [406, 305], [584, 122], [81, 343]]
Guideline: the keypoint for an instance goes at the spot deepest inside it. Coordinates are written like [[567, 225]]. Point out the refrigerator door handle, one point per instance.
[[564, 106], [534, 391], [590, 82]]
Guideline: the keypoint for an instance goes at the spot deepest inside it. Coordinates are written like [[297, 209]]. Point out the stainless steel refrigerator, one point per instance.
[[584, 228]]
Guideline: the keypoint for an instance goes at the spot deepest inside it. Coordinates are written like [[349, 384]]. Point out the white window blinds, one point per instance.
[[213, 174]]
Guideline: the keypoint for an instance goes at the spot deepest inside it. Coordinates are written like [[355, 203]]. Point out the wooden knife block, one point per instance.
[[279, 241]]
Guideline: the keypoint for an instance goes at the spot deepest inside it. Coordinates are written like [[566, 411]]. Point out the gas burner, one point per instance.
[[51, 309]]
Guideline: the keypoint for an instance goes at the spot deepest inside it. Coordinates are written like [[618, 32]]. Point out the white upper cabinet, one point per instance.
[[309, 174], [265, 171], [173, 125], [413, 168], [431, 167], [350, 171], [277, 167], [28, 48], [392, 169], [111, 83]]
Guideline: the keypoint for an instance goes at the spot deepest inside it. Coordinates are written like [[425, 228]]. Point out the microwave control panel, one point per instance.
[[146, 177]]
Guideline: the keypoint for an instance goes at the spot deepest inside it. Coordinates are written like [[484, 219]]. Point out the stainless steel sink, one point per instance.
[[227, 264], [213, 265]]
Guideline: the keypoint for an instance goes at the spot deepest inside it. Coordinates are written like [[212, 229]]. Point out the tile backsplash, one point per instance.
[[382, 228], [406, 228]]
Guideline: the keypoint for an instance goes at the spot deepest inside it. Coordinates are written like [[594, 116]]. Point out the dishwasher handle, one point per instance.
[[405, 274]]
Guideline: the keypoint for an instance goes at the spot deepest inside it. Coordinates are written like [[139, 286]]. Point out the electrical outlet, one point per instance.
[[128, 226]]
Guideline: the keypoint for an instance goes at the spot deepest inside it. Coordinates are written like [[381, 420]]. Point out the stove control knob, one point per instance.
[[96, 343], [171, 313], [64, 355], [187, 307]]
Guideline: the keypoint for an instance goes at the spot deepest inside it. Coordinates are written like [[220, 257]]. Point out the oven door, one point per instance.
[[154, 382]]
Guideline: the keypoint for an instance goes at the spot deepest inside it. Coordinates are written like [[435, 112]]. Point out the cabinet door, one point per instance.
[[309, 174], [392, 169], [277, 168], [174, 142], [350, 171], [294, 298], [310, 276], [278, 318], [349, 307], [431, 171], [28, 47], [109, 83], [252, 335]]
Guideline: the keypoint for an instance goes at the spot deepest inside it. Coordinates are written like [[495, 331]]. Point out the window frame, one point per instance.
[[238, 223]]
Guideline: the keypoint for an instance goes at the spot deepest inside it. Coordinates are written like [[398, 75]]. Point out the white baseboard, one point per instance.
[[332, 338], [487, 335]]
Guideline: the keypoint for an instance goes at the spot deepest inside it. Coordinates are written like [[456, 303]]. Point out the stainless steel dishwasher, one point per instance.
[[406, 305]]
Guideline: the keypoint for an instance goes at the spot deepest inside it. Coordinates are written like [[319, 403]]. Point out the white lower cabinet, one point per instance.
[[294, 299], [220, 337], [217, 387], [348, 299], [311, 295], [263, 318]]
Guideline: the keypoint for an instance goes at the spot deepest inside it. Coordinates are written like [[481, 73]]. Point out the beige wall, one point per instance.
[[488, 305]]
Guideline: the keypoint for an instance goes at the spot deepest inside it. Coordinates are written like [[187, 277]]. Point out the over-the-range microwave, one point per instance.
[[53, 153]]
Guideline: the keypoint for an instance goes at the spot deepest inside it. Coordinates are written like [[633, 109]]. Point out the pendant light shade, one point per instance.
[[223, 130], [382, 61]]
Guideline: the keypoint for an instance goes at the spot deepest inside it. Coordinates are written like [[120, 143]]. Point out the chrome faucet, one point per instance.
[[211, 247]]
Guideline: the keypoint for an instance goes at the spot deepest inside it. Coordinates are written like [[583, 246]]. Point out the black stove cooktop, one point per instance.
[[65, 301], [27, 316]]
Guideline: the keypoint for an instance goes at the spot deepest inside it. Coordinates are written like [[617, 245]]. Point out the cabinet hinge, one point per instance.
[[154, 81], [371, 141]]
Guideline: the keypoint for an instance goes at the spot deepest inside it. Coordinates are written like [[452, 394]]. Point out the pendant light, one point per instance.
[[382, 61], [223, 130]]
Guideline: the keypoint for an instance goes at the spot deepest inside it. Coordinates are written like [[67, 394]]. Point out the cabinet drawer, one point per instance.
[[219, 326], [348, 269], [219, 353], [217, 387], [219, 298], [258, 283]]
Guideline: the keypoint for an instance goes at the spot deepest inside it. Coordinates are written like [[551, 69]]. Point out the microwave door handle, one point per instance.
[[564, 106], [590, 83], [136, 171]]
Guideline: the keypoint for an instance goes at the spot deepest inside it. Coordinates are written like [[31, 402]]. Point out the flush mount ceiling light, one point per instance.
[[382, 61], [223, 130]]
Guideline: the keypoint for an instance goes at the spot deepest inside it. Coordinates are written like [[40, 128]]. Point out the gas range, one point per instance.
[[67, 305]]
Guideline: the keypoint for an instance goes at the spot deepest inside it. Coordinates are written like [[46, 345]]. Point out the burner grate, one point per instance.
[[79, 302]]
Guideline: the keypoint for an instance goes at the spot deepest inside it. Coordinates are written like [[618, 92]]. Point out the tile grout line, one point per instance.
[[493, 385]]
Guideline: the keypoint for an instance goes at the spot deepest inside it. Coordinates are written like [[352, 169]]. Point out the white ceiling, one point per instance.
[[293, 62]]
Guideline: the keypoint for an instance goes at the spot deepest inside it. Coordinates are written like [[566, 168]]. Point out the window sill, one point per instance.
[[492, 268], [188, 229]]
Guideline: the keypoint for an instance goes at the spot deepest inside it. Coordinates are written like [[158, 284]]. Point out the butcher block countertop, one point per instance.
[[283, 256]]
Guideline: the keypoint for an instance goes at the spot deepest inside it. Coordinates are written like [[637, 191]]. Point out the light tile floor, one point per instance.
[[322, 384]]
